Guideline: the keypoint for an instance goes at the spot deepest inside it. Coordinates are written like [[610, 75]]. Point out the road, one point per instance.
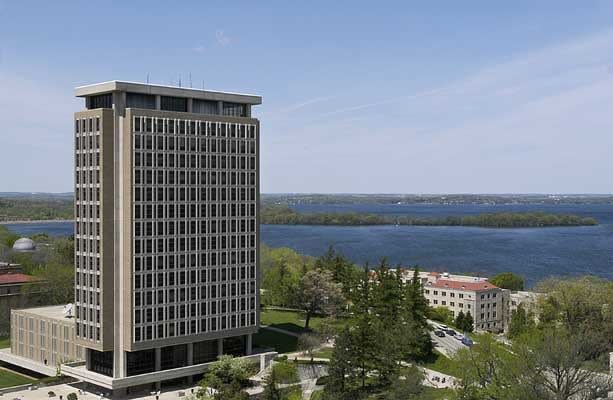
[[447, 345]]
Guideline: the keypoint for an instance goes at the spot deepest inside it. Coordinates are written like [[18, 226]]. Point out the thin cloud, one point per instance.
[[306, 103], [536, 122], [222, 39]]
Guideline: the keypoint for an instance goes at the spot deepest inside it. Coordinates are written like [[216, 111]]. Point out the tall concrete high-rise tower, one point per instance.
[[166, 231]]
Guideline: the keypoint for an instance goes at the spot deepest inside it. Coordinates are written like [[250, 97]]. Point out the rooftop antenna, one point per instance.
[[179, 80], [147, 78], [203, 85], [190, 80]]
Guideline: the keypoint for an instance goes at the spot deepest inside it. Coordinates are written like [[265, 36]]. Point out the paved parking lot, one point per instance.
[[448, 345]]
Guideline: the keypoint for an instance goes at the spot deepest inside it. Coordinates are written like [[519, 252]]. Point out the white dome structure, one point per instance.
[[24, 244]]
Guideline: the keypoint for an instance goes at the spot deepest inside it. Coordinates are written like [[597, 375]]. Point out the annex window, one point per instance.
[[100, 101], [234, 109], [137, 100], [173, 104], [205, 107]]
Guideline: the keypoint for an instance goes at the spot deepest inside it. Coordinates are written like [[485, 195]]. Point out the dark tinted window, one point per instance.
[[234, 109], [205, 107], [174, 104], [137, 100], [100, 101]]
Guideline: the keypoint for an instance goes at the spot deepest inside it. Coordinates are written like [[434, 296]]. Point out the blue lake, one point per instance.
[[534, 253]]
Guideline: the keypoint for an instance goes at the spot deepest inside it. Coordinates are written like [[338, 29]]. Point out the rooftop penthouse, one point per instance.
[[168, 98]]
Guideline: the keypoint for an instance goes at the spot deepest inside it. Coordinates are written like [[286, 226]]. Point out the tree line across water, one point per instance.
[[284, 215], [12, 209]]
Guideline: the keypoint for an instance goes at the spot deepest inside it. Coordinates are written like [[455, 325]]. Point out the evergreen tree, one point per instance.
[[520, 322], [363, 334], [342, 270], [387, 293], [341, 363], [414, 337], [469, 323], [271, 391], [416, 301], [460, 321]]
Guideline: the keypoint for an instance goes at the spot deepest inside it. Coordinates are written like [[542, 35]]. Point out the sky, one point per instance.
[[358, 97]]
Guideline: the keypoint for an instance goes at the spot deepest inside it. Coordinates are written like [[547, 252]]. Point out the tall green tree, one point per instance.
[[342, 270], [520, 322], [228, 376], [271, 390], [464, 322], [342, 367], [363, 334], [508, 280], [469, 322], [415, 342], [416, 303], [487, 371]]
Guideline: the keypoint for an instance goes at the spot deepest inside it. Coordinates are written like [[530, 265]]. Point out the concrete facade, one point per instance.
[[44, 335], [167, 226]]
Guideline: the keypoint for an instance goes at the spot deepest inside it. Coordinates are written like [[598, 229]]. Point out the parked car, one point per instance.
[[459, 337], [450, 332], [439, 333], [467, 342]]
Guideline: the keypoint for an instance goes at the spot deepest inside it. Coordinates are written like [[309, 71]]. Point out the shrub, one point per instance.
[[71, 396], [323, 381], [285, 372], [440, 314], [226, 371]]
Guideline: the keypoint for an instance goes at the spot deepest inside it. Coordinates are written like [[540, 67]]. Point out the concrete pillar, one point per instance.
[[88, 359], [190, 105], [219, 347], [158, 366], [190, 354], [158, 358], [249, 344], [190, 360], [220, 107], [262, 362], [158, 102]]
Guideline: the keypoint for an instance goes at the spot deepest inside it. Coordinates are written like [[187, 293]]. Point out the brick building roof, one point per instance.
[[15, 278], [459, 285]]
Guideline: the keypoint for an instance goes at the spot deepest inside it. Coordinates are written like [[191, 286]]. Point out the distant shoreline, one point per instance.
[[34, 221], [284, 215]]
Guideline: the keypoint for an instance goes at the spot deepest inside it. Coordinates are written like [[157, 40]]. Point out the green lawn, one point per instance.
[[292, 321], [440, 363], [436, 394], [326, 352], [8, 379], [318, 395], [5, 342], [280, 342]]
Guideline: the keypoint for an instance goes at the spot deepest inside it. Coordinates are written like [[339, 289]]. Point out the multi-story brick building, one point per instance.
[[486, 303]]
